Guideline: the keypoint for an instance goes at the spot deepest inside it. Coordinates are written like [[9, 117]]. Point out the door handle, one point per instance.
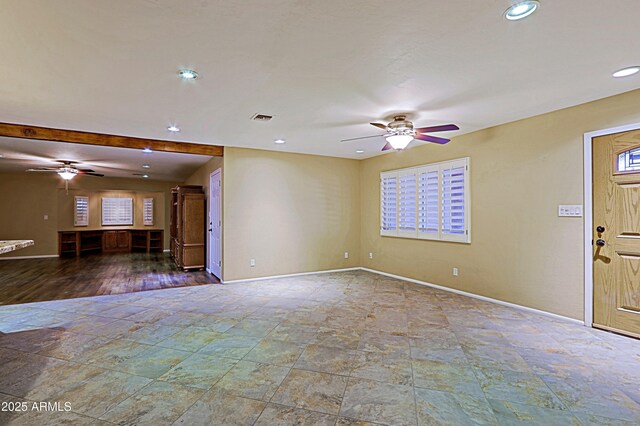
[[600, 243]]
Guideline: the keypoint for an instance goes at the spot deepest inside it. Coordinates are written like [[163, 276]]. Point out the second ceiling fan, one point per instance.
[[66, 170], [400, 133]]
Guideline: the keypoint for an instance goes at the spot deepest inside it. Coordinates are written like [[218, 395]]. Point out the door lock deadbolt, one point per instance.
[[600, 229]]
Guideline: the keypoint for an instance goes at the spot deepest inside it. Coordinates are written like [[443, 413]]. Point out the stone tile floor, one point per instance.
[[349, 348]]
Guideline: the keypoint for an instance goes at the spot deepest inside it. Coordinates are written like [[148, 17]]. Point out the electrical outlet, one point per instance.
[[455, 272], [46, 217], [346, 254], [252, 263], [370, 255]]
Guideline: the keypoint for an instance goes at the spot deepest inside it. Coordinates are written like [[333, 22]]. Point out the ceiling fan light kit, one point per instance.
[[67, 173], [399, 141]]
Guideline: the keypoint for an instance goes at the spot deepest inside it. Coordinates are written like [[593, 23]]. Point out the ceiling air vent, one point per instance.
[[262, 117]]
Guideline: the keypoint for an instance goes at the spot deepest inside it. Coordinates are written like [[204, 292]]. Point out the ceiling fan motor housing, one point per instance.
[[401, 126]]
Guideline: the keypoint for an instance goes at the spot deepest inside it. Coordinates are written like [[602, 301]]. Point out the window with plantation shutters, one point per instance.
[[81, 210], [117, 211], [389, 204], [147, 211], [427, 202]]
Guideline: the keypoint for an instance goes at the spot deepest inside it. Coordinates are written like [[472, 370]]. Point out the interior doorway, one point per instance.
[[616, 232], [215, 224]]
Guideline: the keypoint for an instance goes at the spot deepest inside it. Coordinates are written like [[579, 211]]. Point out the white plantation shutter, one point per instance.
[[407, 202], [81, 211], [453, 177], [147, 212], [117, 211], [427, 202], [388, 204]]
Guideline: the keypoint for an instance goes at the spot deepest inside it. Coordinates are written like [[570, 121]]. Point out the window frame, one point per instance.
[[440, 235]]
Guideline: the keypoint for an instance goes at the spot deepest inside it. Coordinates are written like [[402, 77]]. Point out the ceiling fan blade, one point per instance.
[[42, 169], [386, 147], [91, 174], [442, 128], [86, 170], [379, 126], [433, 139], [364, 137]]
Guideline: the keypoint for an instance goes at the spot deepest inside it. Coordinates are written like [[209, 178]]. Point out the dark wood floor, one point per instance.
[[36, 280]]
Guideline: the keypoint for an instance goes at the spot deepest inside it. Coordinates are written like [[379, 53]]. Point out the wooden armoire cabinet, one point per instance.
[[187, 227]]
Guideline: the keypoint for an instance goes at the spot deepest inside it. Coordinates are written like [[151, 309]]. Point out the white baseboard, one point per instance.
[[42, 256], [477, 296], [328, 271]]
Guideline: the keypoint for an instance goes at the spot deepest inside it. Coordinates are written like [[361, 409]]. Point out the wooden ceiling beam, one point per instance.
[[88, 138]]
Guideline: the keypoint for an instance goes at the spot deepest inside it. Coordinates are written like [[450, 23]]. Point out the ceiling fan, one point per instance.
[[66, 170], [400, 132]]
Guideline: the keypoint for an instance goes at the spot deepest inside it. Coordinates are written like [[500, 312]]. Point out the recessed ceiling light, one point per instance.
[[626, 72], [146, 166], [147, 150], [173, 129], [279, 141], [187, 74], [145, 176], [521, 9], [359, 151]]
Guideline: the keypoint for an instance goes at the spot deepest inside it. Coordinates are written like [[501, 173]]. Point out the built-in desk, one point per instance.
[[76, 243]]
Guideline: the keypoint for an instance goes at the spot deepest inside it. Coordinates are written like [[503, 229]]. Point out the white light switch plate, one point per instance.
[[570, 210]]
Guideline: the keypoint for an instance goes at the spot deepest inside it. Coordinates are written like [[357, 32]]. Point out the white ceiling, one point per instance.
[[324, 69], [18, 155]]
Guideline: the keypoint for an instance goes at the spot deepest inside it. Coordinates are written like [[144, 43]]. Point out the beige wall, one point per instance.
[[521, 251], [290, 212], [31, 196], [201, 176], [24, 201]]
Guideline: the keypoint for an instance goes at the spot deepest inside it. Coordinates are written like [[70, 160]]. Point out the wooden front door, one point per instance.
[[616, 232]]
